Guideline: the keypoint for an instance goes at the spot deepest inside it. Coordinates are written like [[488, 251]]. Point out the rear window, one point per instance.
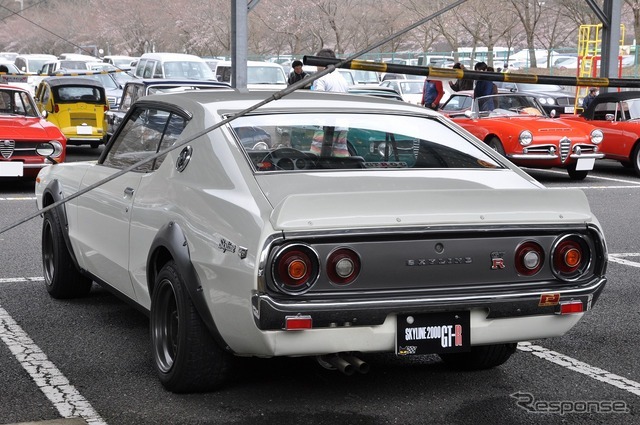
[[86, 94], [302, 142]]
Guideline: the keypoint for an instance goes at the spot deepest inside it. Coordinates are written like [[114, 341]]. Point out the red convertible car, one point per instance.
[[517, 126], [618, 115], [24, 133]]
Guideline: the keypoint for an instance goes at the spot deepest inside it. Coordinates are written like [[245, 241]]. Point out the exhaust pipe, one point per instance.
[[336, 362], [360, 365], [346, 363]]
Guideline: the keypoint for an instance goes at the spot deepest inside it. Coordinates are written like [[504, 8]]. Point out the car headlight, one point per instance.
[[381, 148], [525, 138], [57, 148], [596, 136], [542, 100], [260, 146]]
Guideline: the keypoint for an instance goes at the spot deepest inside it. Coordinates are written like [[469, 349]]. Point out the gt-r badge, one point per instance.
[[497, 260]]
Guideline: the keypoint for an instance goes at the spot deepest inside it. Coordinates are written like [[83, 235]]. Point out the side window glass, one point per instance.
[[145, 133], [157, 73], [148, 69], [139, 138], [173, 130]]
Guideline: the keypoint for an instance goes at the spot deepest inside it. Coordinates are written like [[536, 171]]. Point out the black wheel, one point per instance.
[[635, 158], [575, 174], [94, 145], [61, 277], [185, 355], [480, 357], [495, 144]]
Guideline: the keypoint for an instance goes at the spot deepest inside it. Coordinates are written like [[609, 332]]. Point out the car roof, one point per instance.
[[171, 81], [229, 101], [171, 56], [68, 81], [617, 96], [252, 63]]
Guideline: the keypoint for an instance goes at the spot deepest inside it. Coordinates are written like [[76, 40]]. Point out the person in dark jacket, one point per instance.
[[297, 73], [460, 84], [593, 92], [483, 88]]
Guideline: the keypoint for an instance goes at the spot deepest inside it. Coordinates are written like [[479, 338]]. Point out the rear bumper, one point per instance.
[[270, 313]]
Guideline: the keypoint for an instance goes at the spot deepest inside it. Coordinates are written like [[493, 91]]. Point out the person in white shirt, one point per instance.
[[333, 81]]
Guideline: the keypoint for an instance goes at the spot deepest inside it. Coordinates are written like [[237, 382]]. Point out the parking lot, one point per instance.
[[90, 358]]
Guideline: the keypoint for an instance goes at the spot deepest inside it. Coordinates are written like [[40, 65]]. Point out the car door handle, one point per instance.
[[129, 191]]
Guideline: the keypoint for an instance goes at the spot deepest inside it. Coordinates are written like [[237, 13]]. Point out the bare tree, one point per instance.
[[529, 12], [634, 5]]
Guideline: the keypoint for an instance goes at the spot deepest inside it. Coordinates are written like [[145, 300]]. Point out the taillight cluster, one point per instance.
[[297, 267], [570, 257]]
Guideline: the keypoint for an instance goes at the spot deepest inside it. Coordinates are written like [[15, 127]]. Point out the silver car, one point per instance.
[[367, 226]]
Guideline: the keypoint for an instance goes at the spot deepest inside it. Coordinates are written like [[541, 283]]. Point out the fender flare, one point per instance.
[[171, 238], [54, 191]]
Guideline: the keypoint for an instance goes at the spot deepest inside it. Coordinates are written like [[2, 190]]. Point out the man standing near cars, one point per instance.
[[333, 81], [432, 93], [297, 73], [593, 92], [483, 88]]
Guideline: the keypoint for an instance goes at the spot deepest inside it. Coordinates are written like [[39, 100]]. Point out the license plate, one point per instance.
[[585, 164], [11, 169], [433, 333], [84, 129], [569, 109]]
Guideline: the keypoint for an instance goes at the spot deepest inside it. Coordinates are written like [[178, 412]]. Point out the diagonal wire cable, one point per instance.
[[275, 96]]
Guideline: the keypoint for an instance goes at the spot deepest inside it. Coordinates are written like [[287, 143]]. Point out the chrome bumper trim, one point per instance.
[[270, 313]]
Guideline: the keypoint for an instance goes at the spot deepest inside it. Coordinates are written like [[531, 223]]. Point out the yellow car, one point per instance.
[[77, 106]]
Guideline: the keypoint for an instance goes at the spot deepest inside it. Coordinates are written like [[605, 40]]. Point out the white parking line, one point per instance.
[[618, 258], [20, 198], [46, 375], [577, 366]]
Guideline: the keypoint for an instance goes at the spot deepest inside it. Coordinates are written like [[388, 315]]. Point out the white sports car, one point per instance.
[[367, 226]]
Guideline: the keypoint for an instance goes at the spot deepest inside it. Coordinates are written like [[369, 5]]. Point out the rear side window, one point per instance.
[[146, 132]]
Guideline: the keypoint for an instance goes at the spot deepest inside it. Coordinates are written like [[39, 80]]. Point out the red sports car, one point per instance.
[[618, 115], [517, 126], [22, 134]]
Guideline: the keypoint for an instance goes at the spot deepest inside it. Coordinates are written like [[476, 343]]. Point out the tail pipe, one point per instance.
[[346, 363]]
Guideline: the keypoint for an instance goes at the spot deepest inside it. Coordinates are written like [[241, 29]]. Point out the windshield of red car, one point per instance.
[[13, 102], [513, 105], [293, 142]]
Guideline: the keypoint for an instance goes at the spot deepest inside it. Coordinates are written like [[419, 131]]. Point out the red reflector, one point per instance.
[[570, 307], [294, 323]]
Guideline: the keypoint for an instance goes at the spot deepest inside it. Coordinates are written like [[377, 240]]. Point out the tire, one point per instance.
[[635, 158], [576, 175], [495, 144], [186, 357], [94, 145], [480, 357], [61, 277]]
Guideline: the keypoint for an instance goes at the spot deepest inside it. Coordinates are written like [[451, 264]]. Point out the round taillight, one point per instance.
[[343, 266], [295, 268], [56, 108], [529, 258], [571, 256]]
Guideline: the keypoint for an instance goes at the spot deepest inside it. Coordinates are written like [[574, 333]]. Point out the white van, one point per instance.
[[173, 65], [260, 75]]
